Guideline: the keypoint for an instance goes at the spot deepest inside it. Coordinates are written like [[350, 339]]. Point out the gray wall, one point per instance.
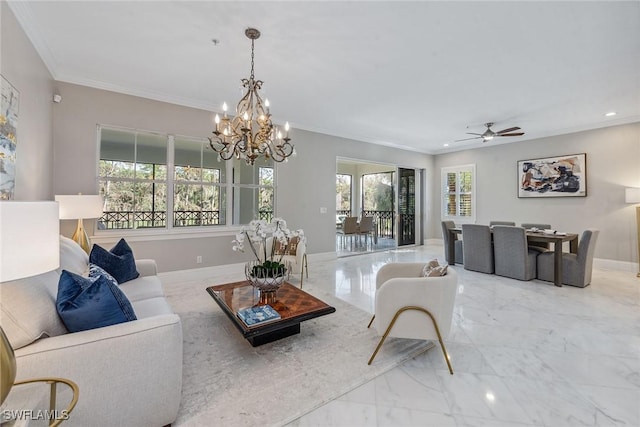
[[57, 154], [21, 65], [613, 163], [305, 184]]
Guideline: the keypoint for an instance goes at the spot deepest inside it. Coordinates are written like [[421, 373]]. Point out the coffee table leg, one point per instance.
[[274, 336]]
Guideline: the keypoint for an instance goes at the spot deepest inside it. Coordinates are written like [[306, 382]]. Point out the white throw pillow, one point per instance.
[[28, 309], [434, 269], [72, 257]]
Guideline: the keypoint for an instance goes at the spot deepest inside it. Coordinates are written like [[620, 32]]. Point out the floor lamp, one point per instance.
[[29, 245], [632, 195], [80, 206]]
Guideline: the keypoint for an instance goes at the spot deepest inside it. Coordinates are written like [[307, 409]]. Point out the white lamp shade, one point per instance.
[[632, 195], [80, 206], [29, 239]]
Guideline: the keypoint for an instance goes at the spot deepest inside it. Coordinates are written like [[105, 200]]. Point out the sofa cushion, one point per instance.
[[28, 309], [142, 288], [72, 257], [118, 262], [152, 307], [88, 303]]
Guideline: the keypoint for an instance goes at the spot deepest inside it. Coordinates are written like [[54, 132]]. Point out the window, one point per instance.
[[458, 193], [197, 194], [133, 179], [151, 180], [343, 194]]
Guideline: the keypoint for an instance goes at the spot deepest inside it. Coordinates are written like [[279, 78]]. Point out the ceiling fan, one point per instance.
[[488, 135]]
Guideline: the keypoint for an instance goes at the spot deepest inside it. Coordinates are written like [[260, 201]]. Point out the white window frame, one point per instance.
[[443, 194], [171, 232]]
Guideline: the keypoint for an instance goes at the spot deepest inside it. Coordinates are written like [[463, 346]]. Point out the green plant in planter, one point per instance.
[[269, 269]]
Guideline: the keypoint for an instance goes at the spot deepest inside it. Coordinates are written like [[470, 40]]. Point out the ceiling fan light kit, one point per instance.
[[489, 134]]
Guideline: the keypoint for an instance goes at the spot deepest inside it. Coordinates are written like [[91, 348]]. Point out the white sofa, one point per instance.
[[128, 374]]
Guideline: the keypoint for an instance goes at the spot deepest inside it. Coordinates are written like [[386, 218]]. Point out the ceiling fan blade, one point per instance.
[[511, 134], [467, 139], [507, 130], [473, 133]]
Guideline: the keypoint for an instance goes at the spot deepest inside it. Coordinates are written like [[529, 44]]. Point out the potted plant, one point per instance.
[[269, 241]]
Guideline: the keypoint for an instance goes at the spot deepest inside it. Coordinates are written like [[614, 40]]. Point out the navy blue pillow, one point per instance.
[[91, 302], [118, 262]]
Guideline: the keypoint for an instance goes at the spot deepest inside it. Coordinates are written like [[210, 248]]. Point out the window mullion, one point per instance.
[[170, 179]]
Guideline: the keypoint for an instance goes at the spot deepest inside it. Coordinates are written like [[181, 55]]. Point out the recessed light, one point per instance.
[[446, 145], [610, 114]]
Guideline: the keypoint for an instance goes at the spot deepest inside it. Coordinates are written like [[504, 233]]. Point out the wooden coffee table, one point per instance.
[[294, 306]]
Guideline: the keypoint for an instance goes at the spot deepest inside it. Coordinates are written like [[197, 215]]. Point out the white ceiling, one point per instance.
[[409, 74]]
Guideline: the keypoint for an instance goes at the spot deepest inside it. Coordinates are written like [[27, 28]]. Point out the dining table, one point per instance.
[[532, 236]]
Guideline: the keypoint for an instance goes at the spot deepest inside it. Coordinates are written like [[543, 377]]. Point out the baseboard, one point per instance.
[[611, 264], [599, 263]]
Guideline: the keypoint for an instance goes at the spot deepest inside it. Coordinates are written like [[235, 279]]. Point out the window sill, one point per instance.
[[108, 236]]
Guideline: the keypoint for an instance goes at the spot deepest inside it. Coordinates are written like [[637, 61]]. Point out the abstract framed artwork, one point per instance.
[[561, 176], [8, 140]]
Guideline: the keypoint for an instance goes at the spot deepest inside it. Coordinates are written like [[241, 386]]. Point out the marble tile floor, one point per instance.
[[523, 353]]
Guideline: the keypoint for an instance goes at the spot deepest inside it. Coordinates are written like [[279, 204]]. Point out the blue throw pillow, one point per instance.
[[91, 302], [118, 262]]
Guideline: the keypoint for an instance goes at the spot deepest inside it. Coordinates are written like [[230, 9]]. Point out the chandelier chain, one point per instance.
[[252, 59]]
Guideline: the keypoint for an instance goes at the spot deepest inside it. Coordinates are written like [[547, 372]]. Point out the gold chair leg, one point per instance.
[[303, 267], [371, 323], [393, 321]]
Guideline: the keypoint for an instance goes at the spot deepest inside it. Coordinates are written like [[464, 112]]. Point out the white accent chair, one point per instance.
[[409, 305]]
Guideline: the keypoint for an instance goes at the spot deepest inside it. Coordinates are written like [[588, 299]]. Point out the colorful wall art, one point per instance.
[[562, 176], [8, 140]]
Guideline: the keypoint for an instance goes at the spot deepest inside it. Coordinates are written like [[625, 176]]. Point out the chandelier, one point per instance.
[[250, 133]]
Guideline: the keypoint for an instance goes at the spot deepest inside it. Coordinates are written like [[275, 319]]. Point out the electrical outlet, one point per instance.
[[323, 210], [199, 259]]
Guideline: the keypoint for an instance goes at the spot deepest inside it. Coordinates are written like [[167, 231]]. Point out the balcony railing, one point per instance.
[[121, 220], [383, 221]]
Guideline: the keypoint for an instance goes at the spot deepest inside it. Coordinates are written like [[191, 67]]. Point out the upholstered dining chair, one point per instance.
[[492, 223], [349, 228], [478, 248], [365, 228], [539, 226], [513, 257], [446, 225], [294, 255], [576, 268], [409, 305]]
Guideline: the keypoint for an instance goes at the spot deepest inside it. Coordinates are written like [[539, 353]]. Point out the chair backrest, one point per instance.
[[446, 225], [366, 224], [586, 249], [403, 285], [530, 225], [477, 250], [350, 225], [492, 223], [511, 250]]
